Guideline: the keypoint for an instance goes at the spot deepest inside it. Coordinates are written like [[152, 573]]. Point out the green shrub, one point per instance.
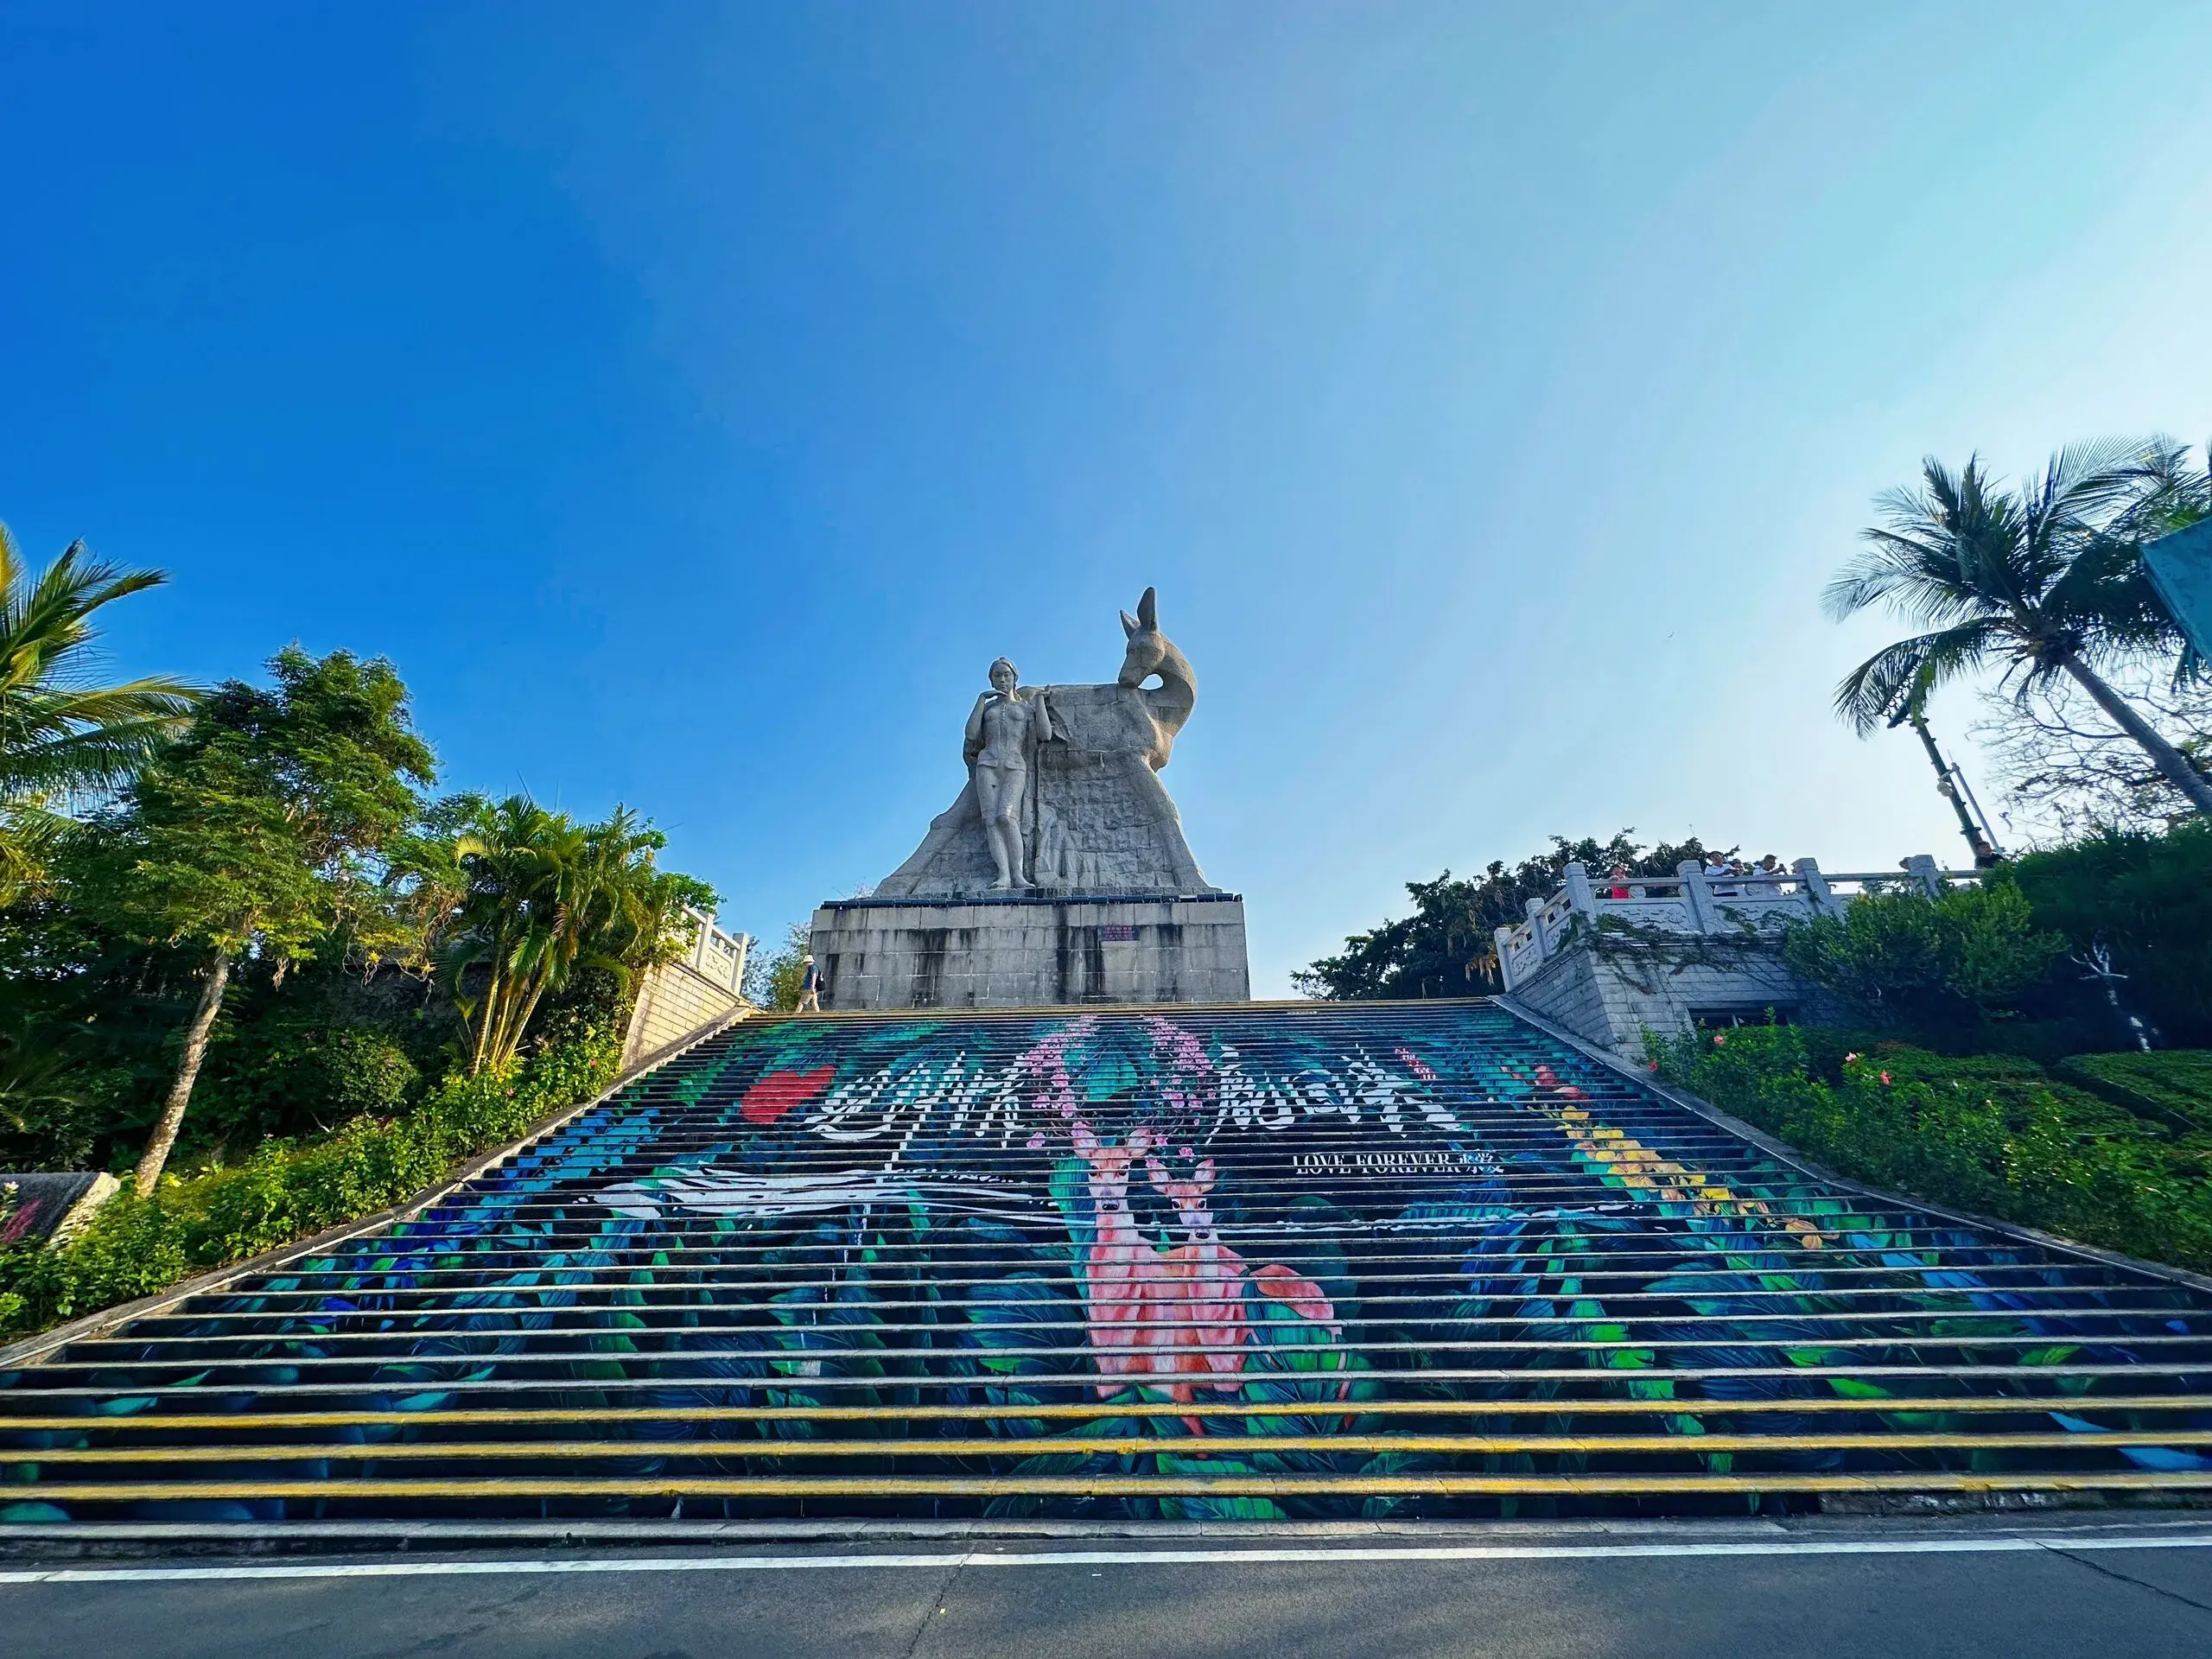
[[286, 1190], [2172, 1086], [47, 1098], [281, 1079], [1901, 958], [1989, 1134], [2148, 899]]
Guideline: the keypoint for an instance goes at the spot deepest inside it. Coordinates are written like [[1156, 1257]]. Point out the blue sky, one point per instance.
[[693, 400]]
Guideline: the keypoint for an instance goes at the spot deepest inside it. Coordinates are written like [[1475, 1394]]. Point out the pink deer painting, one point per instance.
[[1121, 1287], [1176, 1314], [1203, 1287]]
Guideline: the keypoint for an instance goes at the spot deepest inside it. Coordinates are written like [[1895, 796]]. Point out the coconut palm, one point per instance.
[[2170, 493], [2171, 490], [61, 731], [2039, 582]]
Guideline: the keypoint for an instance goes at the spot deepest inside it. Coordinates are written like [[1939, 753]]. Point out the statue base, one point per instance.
[[1032, 951]]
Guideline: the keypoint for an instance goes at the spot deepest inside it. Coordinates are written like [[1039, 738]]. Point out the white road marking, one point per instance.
[[2012, 1544]]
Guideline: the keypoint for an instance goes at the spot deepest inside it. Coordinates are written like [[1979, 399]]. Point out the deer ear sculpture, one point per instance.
[[1129, 624], [1149, 612]]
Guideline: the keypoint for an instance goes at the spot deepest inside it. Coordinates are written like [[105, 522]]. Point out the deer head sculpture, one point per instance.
[[1151, 655]]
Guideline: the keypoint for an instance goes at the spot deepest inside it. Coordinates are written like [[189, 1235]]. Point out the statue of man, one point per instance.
[[1009, 722]]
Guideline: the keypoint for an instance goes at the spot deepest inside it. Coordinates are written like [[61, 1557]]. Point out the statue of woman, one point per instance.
[[1009, 722]]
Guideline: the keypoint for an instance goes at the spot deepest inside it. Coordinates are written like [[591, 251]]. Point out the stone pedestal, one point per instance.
[[1031, 952]]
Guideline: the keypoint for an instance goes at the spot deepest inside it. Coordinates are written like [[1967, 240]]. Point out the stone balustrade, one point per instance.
[[717, 957], [678, 998], [1690, 903]]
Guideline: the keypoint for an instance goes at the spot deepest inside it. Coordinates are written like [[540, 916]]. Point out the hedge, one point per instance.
[[2173, 1085], [290, 1190], [1994, 1135]]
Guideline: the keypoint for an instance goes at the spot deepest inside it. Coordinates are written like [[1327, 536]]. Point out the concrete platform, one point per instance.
[[1031, 952]]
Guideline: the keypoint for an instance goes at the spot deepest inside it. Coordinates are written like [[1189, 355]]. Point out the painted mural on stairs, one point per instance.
[[1211, 1264]]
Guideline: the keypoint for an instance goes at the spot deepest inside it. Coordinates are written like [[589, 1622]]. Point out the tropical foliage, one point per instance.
[[1448, 947], [259, 831], [1993, 1134], [138, 1245], [2146, 900], [1971, 954], [2172, 492], [2172, 1086], [63, 730], [270, 930], [542, 899], [2040, 582]]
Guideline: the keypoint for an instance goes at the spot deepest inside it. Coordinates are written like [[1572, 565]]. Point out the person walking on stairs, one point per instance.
[[810, 988]]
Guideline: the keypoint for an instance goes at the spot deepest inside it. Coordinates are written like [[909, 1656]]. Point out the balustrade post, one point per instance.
[[1534, 909], [1926, 871], [1816, 888], [1704, 918], [1504, 936], [1579, 893]]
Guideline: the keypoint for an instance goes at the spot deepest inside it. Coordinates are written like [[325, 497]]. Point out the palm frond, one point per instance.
[[1940, 554], [61, 729], [1877, 688]]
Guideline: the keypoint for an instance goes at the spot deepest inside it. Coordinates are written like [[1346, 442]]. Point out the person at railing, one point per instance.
[[1718, 869], [1771, 866], [1620, 889]]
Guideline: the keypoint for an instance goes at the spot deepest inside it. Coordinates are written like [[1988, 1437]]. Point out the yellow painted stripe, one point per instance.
[[150, 1422], [1203, 1446], [1238, 1485]]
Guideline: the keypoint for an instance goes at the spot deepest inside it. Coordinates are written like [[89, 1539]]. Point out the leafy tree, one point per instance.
[[331, 1044], [2037, 580], [2146, 898], [425, 883], [258, 833], [543, 899], [43, 1094], [62, 730], [1448, 947], [1969, 954], [774, 982]]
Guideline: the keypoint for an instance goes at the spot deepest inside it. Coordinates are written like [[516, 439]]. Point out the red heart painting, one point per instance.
[[777, 1093]]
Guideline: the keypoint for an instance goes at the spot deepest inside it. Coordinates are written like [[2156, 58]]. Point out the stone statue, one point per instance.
[[1008, 723], [1062, 792]]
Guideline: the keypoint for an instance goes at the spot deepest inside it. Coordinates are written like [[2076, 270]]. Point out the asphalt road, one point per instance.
[[1866, 1592]]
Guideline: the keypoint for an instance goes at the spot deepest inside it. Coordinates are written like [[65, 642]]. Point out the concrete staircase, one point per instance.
[[1257, 1262]]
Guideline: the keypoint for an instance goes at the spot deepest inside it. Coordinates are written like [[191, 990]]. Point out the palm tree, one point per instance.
[[2044, 581], [543, 898], [2170, 495], [519, 866], [62, 732]]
